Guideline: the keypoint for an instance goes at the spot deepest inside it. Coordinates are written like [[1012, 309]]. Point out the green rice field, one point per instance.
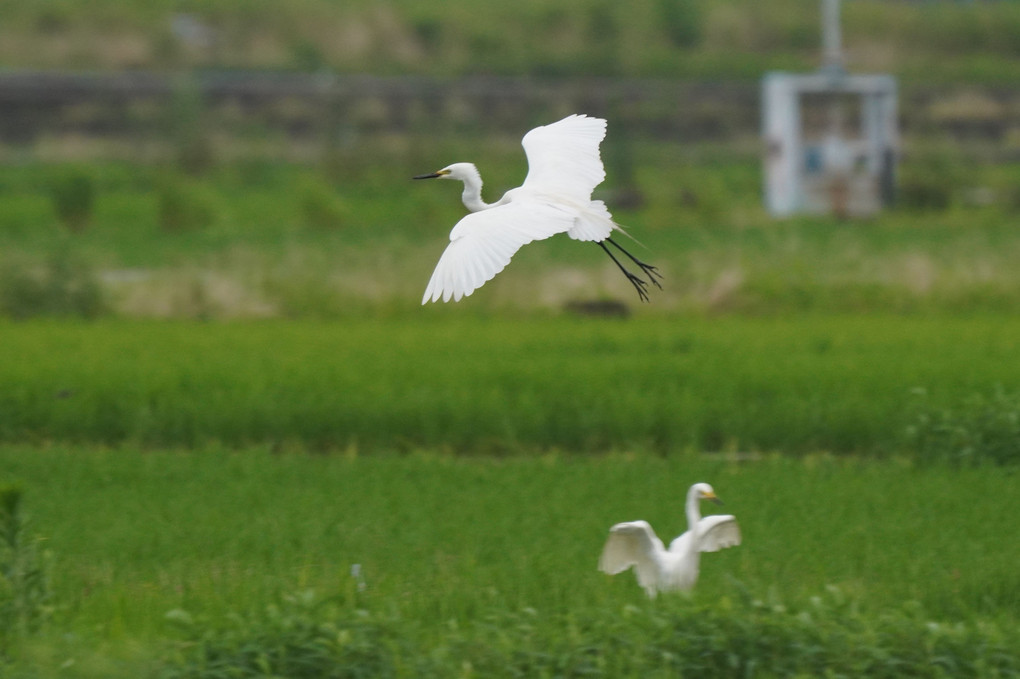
[[842, 384], [198, 494], [174, 561]]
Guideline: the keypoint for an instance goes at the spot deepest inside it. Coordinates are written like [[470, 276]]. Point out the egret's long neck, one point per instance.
[[693, 509], [472, 195]]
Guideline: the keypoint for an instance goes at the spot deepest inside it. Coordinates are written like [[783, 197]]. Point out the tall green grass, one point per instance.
[[490, 561], [477, 384]]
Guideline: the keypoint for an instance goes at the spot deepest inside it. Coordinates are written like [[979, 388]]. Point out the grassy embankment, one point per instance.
[[701, 39], [267, 240]]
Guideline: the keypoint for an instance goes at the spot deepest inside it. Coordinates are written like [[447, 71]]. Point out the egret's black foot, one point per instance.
[[649, 270], [639, 284]]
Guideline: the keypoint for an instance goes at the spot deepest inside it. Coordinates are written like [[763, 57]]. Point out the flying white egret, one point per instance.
[[563, 168], [634, 543]]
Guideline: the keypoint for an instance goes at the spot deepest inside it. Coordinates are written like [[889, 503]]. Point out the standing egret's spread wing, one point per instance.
[[633, 543], [718, 531], [563, 158], [482, 244]]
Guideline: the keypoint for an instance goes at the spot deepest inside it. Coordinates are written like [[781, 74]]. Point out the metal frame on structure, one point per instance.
[[848, 174]]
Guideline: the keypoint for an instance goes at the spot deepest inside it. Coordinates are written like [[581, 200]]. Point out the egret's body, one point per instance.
[[658, 569], [564, 168]]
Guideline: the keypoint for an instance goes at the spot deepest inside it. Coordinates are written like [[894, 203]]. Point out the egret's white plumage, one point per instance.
[[564, 168], [634, 543]]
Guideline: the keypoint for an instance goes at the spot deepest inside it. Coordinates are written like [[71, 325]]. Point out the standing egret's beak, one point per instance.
[[713, 498]]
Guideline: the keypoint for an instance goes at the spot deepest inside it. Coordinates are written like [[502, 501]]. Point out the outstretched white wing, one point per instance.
[[718, 531], [482, 244], [633, 543], [563, 158], [630, 544]]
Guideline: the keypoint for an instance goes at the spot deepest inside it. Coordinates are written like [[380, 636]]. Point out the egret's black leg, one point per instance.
[[638, 282], [651, 271]]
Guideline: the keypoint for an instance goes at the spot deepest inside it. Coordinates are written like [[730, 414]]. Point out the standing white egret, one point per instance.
[[634, 543], [563, 168]]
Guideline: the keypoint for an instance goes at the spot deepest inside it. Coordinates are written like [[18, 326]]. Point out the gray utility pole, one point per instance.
[[832, 38]]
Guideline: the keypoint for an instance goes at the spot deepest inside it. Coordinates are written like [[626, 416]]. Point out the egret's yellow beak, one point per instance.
[[712, 497]]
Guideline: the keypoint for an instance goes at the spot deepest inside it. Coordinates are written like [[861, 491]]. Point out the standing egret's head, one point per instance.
[[703, 491]]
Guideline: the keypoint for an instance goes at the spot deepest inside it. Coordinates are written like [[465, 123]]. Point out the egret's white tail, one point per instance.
[[593, 224]]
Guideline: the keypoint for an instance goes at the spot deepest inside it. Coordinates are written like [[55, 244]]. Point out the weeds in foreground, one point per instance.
[[25, 600], [309, 636]]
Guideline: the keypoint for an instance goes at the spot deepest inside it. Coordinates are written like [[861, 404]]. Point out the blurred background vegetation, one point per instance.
[[704, 39], [250, 159]]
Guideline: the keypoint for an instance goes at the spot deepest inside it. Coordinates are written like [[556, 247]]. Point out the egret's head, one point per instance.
[[462, 171], [703, 491]]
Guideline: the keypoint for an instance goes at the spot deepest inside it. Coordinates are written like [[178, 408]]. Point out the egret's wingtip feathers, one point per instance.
[[721, 531], [564, 156], [616, 556]]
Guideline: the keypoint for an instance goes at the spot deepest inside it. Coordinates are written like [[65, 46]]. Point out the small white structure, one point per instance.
[[831, 138]]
